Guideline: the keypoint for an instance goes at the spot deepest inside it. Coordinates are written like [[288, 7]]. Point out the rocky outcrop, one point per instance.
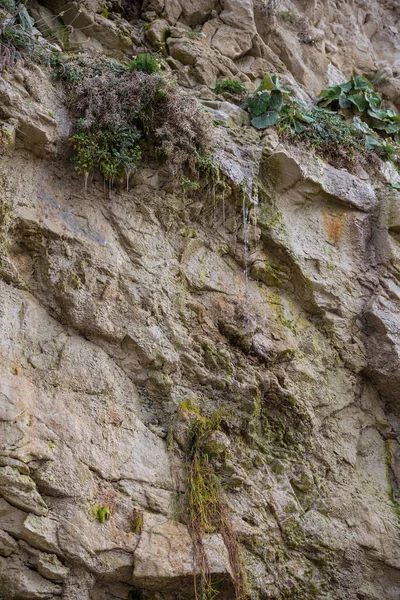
[[273, 300]]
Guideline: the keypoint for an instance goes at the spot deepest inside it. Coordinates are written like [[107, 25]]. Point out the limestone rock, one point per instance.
[[7, 544], [290, 169], [19, 582], [21, 491], [227, 114], [195, 12], [41, 533], [164, 558], [232, 42], [239, 14]]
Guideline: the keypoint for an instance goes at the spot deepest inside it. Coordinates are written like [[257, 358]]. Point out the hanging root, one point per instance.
[[208, 513]]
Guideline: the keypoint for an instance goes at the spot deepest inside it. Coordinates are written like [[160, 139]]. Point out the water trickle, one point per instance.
[[245, 214]]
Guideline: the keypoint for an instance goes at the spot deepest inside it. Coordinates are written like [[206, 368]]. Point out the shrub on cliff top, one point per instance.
[[15, 33], [156, 118]]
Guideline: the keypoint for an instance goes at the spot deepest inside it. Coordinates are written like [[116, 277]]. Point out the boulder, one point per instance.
[[292, 168], [164, 558], [20, 490], [232, 42]]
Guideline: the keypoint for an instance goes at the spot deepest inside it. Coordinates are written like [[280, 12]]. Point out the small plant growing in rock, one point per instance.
[[101, 512], [288, 16], [358, 96], [146, 63], [207, 511], [231, 86], [114, 151], [137, 522]]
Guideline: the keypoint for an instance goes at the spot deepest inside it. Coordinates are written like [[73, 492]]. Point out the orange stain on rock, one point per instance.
[[334, 225]]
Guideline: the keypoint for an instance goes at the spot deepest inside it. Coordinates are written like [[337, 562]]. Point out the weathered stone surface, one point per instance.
[[232, 42], [164, 559], [21, 491], [271, 296], [19, 582], [227, 114], [7, 544], [195, 12], [295, 169], [41, 533]]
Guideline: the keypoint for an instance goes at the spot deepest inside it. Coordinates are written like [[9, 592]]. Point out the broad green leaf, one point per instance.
[[266, 84], [377, 113], [359, 101], [371, 143], [344, 102], [298, 126], [362, 83], [278, 85], [346, 87], [392, 128], [360, 125], [374, 99], [276, 100], [396, 138], [266, 120], [259, 104], [328, 96], [304, 117]]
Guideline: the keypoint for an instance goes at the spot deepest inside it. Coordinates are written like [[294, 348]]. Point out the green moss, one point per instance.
[[101, 512], [137, 522], [74, 281], [288, 16], [217, 359]]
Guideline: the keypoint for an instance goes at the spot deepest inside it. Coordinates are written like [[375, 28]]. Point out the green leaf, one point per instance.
[[392, 128], [360, 125], [276, 100], [266, 84], [298, 126], [344, 102], [278, 86], [259, 104], [346, 87], [374, 99], [266, 120], [330, 94], [371, 143], [377, 113], [359, 101], [396, 138], [304, 117], [362, 83]]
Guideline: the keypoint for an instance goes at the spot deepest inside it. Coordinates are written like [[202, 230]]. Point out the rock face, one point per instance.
[[118, 309]]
